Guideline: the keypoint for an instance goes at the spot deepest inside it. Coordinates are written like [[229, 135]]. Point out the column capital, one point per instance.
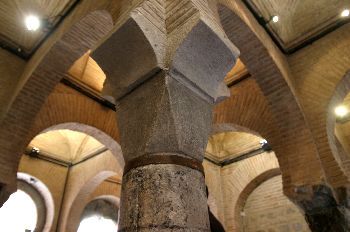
[[180, 37], [163, 116]]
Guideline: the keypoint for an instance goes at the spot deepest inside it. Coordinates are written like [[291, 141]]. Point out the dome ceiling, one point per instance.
[[66, 145], [230, 145]]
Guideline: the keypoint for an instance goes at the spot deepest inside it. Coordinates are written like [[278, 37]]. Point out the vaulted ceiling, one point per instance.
[[66, 145], [230, 145], [13, 32], [300, 21]]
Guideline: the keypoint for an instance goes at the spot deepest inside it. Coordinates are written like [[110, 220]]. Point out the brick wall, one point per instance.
[[318, 69], [271, 72], [267, 210]]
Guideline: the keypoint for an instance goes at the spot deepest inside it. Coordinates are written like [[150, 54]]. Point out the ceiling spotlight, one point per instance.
[[345, 13], [275, 18], [32, 22], [341, 111]]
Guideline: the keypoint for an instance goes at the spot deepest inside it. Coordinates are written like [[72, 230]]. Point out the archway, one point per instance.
[[99, 135], [101, 212], [266, 208], [242, 157], [74, 205], [31, 207], [248, 189], [338, 143], [15, 125], [269, 69], [90, 156]]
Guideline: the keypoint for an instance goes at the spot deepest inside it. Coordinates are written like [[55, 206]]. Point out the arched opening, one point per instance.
[[270, 71], [45, 72], [235, 156], [338, 124], [100, 214], [266, 208], [30, 208], [74, 159]]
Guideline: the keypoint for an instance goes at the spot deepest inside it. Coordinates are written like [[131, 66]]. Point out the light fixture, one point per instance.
[[34, 152], [275, 18], [341, 111], [345, 13], [32, 22], [265, 145]]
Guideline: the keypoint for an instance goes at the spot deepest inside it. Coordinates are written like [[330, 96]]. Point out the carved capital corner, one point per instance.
[[133, 53], [179, 37]]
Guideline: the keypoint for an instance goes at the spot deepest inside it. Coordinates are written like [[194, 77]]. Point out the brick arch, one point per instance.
[[66, 108], [99, 135], [111, 198], [293, 141], [79, 191], [246, 109], [248, 189], [239, 175], [340, 92], [318, 69], [15, 126], [81, 200]]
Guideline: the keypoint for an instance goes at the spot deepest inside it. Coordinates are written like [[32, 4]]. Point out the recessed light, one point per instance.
[[345, 13], [32, 22], [341, 111], [275, 19]]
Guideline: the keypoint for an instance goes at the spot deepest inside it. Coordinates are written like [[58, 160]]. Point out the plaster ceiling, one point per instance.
[[66, 145], [231, 145], [13, 32], [87, 72], [299, 20]]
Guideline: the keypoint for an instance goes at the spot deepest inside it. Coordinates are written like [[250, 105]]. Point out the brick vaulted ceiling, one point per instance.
[[66, 145], [300, 21], [13, 33]]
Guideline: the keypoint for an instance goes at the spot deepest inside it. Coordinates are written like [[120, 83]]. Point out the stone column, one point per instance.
[[165, 66], [323, 212]]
